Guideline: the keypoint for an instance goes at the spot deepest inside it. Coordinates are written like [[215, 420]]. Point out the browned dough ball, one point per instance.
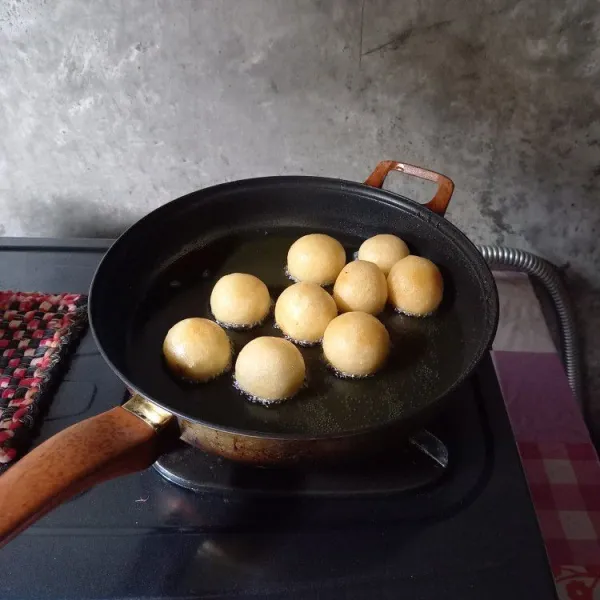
[[356, 344], [270, 369], [240, 300], [385, 250], [197, 349], [361, 286], [415, 286], [303, 312], [317, 258]]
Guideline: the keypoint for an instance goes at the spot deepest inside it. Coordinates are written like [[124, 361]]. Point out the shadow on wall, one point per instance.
[[80, 218]]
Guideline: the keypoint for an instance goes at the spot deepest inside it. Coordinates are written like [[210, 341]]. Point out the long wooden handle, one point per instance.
[[111, 444], [438, 204]]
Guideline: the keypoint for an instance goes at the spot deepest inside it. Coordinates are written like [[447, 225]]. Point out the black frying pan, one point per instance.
[[163, 269]]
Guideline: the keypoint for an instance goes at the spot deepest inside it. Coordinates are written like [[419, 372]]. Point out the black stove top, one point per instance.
[[405, 526]]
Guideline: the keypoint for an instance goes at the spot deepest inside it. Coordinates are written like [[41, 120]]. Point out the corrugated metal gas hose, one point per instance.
[[546, 274]]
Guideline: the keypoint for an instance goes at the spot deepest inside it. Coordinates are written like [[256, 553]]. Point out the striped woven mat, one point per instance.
[[37, 332]]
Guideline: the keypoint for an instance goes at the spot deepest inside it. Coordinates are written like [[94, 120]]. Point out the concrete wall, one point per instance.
[[110, 108]]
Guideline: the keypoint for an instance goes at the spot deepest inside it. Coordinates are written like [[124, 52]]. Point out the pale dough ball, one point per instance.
[[385, 250], [270, 369], [361, 286], [240, 300], [197, 349], [303, 312], [356, 344], [317, 258], [415, 286]]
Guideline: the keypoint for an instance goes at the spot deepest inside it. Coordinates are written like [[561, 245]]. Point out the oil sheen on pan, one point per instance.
[[426, 353]]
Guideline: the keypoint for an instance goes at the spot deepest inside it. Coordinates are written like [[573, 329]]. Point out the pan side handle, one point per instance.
[[120, 441], [438, 204]]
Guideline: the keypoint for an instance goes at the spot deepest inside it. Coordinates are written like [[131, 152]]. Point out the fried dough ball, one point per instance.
[[197, 349], [415, 286], [270, 369], [303, 312], [361, 286], [356, 344], [316, 258], [385, 250], [240, 300]]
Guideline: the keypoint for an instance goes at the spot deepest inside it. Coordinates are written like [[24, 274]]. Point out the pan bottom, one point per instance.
[[403, 470], [407, 467]]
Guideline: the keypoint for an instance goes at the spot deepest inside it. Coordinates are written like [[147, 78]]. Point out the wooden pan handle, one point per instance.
[[440, 201], [113, 443]]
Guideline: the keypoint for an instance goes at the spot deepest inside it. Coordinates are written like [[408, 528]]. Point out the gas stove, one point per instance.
[[447, 515]]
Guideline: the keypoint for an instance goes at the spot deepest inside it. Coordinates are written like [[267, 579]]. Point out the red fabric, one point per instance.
[[561, 466], [566, 494], [35, 331]]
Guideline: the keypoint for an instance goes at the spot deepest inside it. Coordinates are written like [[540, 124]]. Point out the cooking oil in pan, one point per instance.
[[425, 357]]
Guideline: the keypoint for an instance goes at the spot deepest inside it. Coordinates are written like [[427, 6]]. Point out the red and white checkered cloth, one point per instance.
[[564, 480], [561, 466]]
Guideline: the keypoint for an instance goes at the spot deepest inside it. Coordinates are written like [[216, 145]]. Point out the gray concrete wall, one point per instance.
[[110, 108]]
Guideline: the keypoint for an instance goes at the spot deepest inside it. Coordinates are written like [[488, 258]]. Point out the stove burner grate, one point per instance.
[[417, 463]]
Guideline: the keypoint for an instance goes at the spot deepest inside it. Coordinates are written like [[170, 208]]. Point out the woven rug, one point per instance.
[[37, 331]]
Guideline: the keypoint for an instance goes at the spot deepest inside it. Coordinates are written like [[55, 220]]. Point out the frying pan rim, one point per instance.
[[484, 276]]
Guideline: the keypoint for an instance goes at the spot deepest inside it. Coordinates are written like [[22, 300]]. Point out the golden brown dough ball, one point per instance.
[[415, 286], [197, 349], [361, 286], [270, 369], [356, 344], [303, 312], [240, 300], [316, 258], [385, 250]]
